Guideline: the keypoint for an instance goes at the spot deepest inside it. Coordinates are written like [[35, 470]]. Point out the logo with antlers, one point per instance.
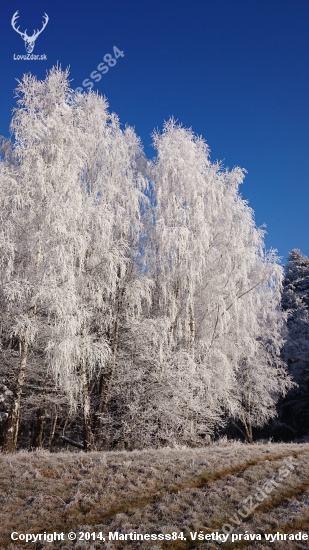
[[29, 40]]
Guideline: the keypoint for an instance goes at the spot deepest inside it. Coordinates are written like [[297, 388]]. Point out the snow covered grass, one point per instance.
[[151, 491]]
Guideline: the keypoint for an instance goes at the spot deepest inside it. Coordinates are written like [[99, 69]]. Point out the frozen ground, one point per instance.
[[158, 491]]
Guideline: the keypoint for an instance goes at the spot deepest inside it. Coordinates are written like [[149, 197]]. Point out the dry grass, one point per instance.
[[153, 491]]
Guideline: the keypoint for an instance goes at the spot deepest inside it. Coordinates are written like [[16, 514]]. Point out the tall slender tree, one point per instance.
[[40, 205], [211, 277]]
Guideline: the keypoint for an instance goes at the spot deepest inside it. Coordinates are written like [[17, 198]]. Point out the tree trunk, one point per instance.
[[87, 433], [106, 386], [37, 436], [192, 331], [14, 417], [248, 428], [248, 422], [106, 380], [53, 429], [71, 442]]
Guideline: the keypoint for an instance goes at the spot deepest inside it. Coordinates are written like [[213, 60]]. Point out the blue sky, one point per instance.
[[236, 71]]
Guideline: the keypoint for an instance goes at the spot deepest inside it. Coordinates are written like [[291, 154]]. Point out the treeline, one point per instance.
[[293, 410], [139, 306]]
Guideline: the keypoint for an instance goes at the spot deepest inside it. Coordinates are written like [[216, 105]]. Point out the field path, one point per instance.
[[158, 491]]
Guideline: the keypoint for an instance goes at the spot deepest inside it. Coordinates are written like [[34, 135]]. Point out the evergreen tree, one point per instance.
[[295, 301]]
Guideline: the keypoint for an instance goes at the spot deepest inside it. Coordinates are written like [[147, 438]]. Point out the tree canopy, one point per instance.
[[139, 305]]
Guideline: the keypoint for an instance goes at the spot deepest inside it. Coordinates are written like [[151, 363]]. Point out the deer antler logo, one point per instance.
[[29, 40]]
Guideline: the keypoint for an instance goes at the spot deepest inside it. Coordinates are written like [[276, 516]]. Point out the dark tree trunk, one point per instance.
[[87, 433], [14, 417], [37, 435]]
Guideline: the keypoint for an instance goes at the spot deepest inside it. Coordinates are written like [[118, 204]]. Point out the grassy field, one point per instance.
[[227, 487]]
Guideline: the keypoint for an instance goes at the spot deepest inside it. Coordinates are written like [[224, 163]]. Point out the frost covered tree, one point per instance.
[[295, 301], [70, 203], [261, 377], [215, 289], [112, 192], [40, 240], [136, 295]]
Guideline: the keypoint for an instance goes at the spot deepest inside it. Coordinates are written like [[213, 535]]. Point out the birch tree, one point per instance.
[[211, 275], [112, 191], [40, 207], [140, 289]]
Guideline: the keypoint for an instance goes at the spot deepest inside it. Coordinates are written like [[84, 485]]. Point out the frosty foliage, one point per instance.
[[139, 292], [295, 301]]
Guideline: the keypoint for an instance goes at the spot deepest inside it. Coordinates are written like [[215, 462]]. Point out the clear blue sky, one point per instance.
[[236, 71]]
